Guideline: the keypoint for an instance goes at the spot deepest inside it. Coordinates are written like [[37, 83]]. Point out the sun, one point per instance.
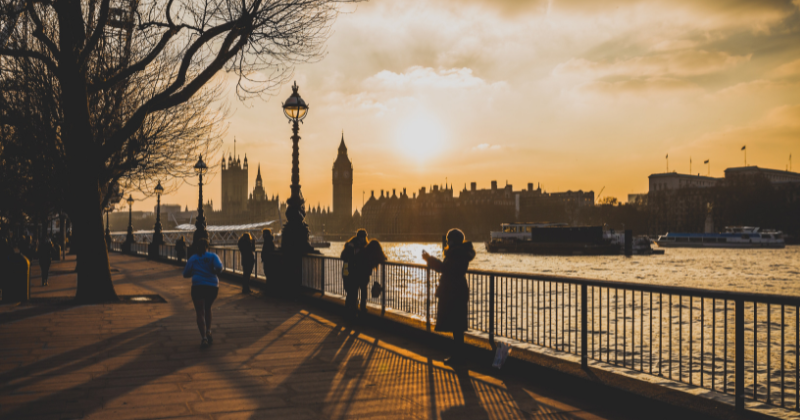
[[421, 136]]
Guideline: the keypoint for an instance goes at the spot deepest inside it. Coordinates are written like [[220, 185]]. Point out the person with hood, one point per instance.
[[453, 290], [361, 260], [180, 249], [45, 255], [247, 248], [268, 256]]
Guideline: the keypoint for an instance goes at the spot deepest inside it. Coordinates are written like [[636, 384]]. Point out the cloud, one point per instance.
[[672, 64], [486, 146], [418, 77], [787, 70]]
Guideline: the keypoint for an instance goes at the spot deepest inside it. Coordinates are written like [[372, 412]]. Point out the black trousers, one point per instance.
[[351, 303]]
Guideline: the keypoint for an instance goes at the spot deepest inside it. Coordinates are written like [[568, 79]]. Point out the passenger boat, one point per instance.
[[733, 237], [551, 239]]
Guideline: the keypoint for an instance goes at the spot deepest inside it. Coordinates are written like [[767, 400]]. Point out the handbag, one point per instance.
[[377, 289]]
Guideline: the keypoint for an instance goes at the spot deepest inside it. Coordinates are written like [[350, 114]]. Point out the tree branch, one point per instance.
[[96, 35], [51, 65]]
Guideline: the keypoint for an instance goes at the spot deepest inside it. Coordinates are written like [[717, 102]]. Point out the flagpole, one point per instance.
[[690, 165]]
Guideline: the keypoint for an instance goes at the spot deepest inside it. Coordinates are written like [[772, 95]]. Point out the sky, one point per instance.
[[567, 94]]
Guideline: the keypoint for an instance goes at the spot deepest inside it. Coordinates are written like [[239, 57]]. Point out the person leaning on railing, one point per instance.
[[453, 292], [247, 248]]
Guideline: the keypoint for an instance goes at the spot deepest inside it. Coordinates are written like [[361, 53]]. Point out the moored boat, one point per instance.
[[733, 237], [551, 239]]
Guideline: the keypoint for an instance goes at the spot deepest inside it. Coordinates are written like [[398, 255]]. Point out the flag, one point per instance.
[[744, 147], [705, 162]]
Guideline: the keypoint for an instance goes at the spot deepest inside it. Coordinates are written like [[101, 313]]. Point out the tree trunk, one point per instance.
[[94, 272], [84, 162]]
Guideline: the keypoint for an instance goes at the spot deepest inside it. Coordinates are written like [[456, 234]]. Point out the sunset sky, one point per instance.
[[574, 94]]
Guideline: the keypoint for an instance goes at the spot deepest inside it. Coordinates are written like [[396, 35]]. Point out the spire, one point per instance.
[[258, 176], [342, 147]]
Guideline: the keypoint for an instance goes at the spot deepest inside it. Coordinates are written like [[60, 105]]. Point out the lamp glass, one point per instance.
[[295, 112], [159, 189], [130, 199], [200, 167]]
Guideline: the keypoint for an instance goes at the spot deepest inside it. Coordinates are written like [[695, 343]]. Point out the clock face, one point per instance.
[[346, 175]]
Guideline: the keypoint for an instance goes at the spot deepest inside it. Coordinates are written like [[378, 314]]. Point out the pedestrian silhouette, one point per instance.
[[180, 249], [269, 257], [453, 291], [45, 255], [247, 249], [203, 268], [360, 260]]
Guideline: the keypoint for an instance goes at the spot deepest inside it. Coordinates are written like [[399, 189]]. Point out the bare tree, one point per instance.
[[96, 51]]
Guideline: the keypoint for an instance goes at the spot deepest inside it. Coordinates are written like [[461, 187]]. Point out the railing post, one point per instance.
[[491, 310], [584, 332], [322, 277], [739, 355], [385, 290], [428, 299]]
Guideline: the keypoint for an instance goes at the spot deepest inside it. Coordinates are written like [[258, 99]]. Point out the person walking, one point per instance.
[[45, 255], [360, 259], [453, 292], [203, 268], [247, 249], [180, 249], [268, 256]]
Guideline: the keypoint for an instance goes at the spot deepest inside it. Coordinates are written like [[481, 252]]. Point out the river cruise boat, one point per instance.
[[551, 239], [733, 237]]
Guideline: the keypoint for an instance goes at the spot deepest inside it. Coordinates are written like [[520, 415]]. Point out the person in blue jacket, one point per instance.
[[203, 268]]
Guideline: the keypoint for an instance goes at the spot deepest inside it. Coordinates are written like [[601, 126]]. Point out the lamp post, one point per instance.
[[158, 237], [200, 232], [108, 231], [126, 246], [294, 235]]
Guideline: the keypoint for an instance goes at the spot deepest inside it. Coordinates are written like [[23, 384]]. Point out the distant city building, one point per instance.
[[429, 213], [683, 203]]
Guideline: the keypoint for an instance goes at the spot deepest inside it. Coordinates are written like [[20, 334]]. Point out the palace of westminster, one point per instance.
[[425, 215]]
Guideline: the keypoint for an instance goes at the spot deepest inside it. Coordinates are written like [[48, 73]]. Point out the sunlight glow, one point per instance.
[[421, 137]]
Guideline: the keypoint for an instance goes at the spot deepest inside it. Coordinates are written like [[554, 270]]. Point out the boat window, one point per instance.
[[509, 229], [695, 239], [529, 229], [766, 236], [722, 240], [682, 239], [745, 236]]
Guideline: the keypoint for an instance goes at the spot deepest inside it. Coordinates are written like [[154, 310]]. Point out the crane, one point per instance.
[[596, 199]]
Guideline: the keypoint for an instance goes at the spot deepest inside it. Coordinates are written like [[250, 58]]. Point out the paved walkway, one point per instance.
[[271, 359]]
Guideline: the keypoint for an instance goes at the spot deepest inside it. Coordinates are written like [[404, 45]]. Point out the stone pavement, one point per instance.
[[272, 358]]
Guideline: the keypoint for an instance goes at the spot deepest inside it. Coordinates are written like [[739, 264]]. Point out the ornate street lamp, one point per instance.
[[200, 169], [158, 238], [294, 236], [126, 246]]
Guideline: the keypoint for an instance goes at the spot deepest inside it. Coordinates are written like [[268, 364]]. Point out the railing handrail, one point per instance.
[[653, 288]]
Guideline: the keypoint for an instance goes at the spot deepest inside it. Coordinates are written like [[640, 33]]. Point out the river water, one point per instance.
[[774, 271]]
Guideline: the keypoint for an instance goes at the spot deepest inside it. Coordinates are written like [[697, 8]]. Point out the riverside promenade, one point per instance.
[[272, 358]]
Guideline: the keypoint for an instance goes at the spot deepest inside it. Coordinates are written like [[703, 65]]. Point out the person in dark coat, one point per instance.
[[453, 291], [247, 248], [180, 249], [45, 255], [361, 260], [268, 256]]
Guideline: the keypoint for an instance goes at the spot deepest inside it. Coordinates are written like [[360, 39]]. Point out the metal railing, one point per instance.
[[742, 344]]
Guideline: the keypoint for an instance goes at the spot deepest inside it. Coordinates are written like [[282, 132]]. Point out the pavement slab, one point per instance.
[[272, 358]]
